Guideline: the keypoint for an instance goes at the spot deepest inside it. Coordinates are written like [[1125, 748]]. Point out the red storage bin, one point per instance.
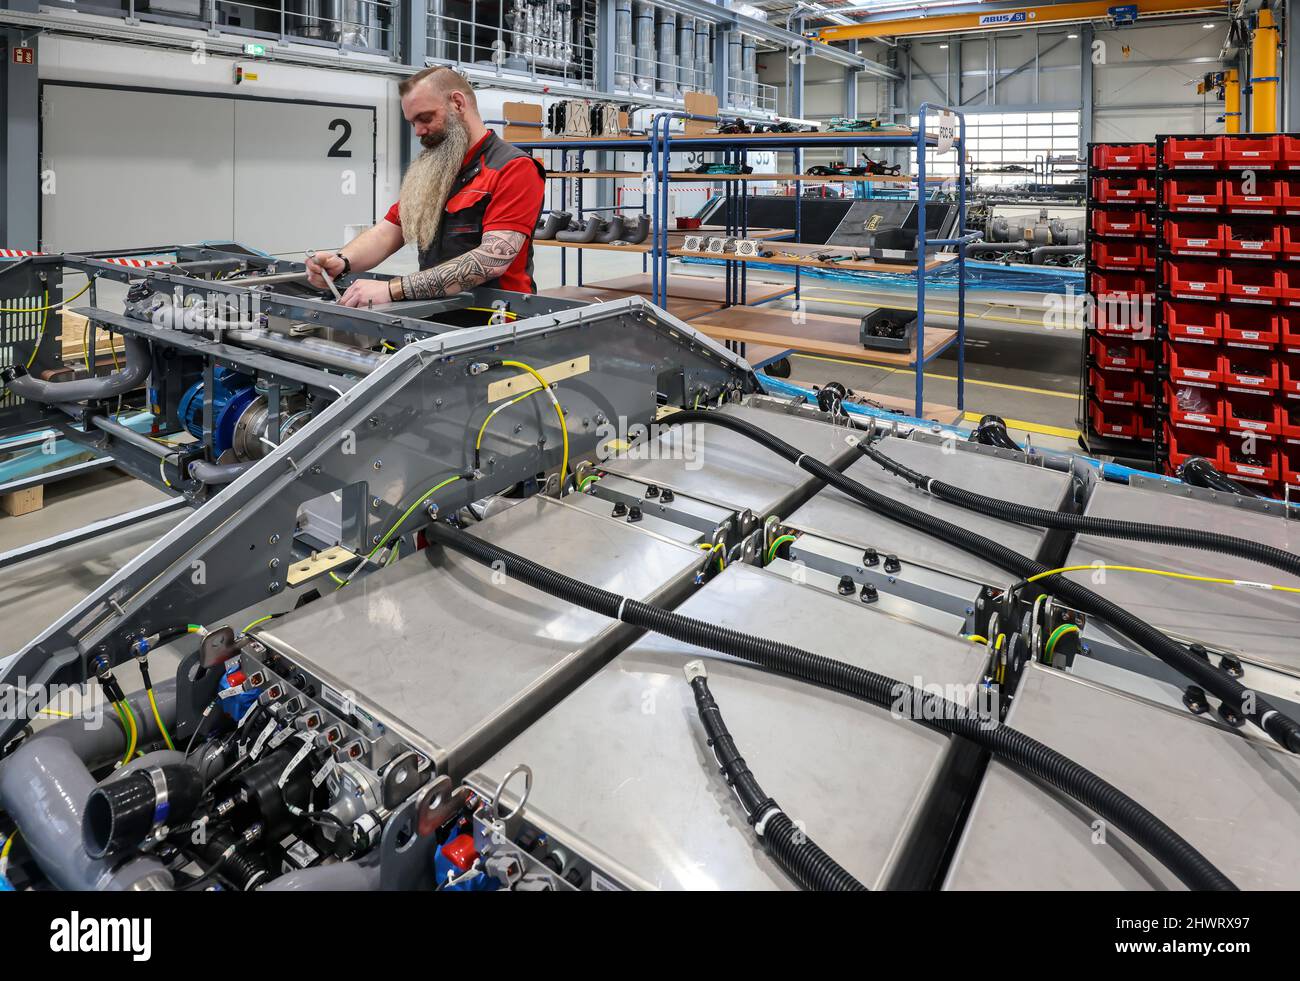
[[1200, 152], [1118, 422], [1289, 460], [1253, 327], [1289, 284], [1121, 354], [1193, 193], [1119, 156], [1247, 413], [1288, 325], [1193, 407], [1258, 284], [1291, 243], [1120, 316], [1244, 152], [1196, 322], [1119, 255], [1290, 191], [1291, 152], [1291, 421], [1194, 236], [1290, 381], [1126, 284], [1266, 196], [1261, 465], [1121, 190], [1199, 364], [1250, 371], [1129, 224], [1251, 239], [1185, 443], [1119, 387], [1190, 277]]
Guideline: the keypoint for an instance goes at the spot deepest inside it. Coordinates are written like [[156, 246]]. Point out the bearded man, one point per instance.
[[469, 204]]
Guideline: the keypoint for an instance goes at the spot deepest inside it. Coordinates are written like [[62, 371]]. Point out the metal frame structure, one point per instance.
[[380, 438]]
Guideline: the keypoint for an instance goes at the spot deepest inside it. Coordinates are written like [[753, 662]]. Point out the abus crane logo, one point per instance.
[[102, 935]]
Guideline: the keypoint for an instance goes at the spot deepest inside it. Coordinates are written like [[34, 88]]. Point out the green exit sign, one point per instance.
[[255, 50]]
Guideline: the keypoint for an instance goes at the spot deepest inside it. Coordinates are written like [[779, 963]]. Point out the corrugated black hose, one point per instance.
[[1012, 747], [797, 854], [1138, 531], [1250, 704]]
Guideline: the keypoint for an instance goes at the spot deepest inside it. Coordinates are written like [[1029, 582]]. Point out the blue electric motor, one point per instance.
[[233, 394]]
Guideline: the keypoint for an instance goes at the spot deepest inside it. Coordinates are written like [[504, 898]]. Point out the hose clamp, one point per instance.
[[161, 806], [768, 809]]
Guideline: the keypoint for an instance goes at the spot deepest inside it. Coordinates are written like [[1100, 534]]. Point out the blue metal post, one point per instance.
[[961, 266]]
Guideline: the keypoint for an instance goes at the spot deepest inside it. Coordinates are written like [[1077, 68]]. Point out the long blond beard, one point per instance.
[[427, 183]]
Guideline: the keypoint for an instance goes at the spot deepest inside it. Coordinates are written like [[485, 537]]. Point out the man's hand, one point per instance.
[[330, 263], [364, 292]]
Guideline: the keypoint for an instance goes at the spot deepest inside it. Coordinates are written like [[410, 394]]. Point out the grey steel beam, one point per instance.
[[1291, 70], [851, 87], [1085, 88], [19, 143], [95, 529]]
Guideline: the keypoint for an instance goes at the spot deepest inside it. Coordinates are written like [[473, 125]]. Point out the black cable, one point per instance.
[[1014, 748], [796, 853], [1250, 704], [1139, 531]]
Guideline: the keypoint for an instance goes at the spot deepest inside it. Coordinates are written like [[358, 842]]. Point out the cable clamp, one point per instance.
[[800, 459], [1263, 719], [621, 603], [771, 811], [928, 484]]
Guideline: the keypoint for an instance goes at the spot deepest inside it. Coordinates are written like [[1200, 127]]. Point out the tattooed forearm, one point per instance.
[[492, 257]]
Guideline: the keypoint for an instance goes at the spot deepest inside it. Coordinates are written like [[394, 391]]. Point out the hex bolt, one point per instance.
[[273, 587], [275, 539], [1194, 699], [375, 502], [1232, 665], [379, 464], [274, 564]]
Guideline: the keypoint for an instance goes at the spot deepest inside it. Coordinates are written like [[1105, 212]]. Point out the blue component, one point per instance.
[[6, 885], [236, 705], [233, 394]]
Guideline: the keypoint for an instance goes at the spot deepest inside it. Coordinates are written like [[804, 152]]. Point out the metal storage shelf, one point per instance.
[[660, 142]]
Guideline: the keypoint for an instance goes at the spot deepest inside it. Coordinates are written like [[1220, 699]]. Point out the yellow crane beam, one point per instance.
[[999, 18]]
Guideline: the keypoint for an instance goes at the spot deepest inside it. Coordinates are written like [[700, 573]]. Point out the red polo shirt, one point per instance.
[[517, 192]]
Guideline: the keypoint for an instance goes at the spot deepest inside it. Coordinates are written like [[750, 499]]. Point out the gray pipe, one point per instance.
[[44, 787], [328, 354], [123, 433], [106, 741], [219, 473], [117, 383], [335, 877]]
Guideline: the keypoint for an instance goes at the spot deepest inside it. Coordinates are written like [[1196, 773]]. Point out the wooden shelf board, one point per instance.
[[866, 134], [683, 308], [862, 265], [696, 288], [598, 246], [688, 176], [817, 334], [675, 239]]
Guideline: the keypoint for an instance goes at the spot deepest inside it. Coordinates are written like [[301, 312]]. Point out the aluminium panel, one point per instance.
[[1259, 624], [623, 775], [832, 514], [731, 470], [461, 657], [1233, 798]]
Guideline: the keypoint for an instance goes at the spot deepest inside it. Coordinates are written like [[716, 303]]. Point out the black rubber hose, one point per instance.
[[1138, 531], [1250, 704], [1200, 472], [798, 855], [1014, 748], [120, 814]]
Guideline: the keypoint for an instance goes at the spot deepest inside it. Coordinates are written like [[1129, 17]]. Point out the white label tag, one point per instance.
[[947, 132], [262, 737], [323, 773], [281, 737]]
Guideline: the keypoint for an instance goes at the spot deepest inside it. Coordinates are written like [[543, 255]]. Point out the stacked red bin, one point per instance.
[[1228, 268], [1120, 352]]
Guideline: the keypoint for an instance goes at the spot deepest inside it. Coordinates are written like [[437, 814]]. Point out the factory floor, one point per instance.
[[1014, 367]]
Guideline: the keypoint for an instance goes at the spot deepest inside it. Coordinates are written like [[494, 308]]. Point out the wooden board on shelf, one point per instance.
[[757, 138], [696, 288], [521, 112], [857, 265], [75, 336], [682, 308], [829, 336], [675, 240]]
